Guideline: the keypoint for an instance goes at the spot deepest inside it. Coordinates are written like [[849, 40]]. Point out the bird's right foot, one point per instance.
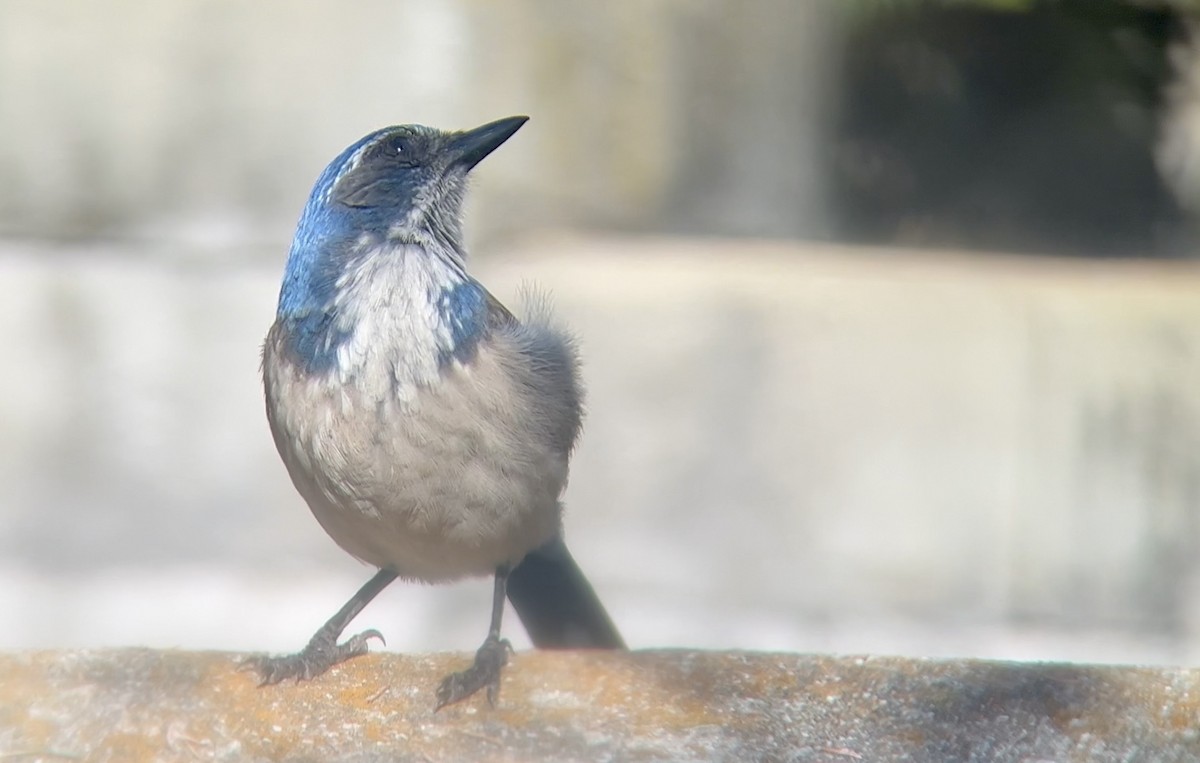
[[321, 654]]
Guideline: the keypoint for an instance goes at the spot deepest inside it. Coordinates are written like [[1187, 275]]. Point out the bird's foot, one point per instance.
[[484, 672], [321, 654]]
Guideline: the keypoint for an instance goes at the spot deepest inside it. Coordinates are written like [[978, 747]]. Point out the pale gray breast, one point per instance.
[[464, 474]]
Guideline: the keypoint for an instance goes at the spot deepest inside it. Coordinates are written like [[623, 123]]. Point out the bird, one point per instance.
[[427, 427]]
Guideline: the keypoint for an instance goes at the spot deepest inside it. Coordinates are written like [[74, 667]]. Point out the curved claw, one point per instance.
[[364, 637], [316, 658]]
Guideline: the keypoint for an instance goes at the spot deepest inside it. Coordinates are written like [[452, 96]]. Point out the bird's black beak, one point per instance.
[[471, 146]]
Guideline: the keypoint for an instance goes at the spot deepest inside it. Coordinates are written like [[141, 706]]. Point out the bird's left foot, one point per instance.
[[483, 673]]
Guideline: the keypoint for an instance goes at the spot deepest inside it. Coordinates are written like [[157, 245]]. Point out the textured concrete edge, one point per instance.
[[140, 704]]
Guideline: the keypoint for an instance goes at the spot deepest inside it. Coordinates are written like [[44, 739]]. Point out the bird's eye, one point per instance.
[[396, 150], [398, 146]]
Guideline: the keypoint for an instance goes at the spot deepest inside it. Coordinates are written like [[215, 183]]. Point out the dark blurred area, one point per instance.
[[1036, 129]]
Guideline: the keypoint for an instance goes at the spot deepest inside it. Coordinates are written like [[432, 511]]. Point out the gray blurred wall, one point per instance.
[[210, 118], [787, 447]]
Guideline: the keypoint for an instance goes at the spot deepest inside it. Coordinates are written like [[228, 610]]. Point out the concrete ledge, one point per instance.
[[142, 705]]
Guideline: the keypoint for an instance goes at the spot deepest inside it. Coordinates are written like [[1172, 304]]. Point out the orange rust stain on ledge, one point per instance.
[[134, 704]]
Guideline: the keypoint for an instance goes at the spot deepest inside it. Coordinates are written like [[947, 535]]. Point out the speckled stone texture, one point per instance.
[[137, 705]]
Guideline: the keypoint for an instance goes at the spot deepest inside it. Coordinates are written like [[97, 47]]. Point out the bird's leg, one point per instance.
[[323, 650], [489, 660]]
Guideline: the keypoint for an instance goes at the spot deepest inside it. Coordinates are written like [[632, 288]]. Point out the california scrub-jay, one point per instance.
[[427, 427]]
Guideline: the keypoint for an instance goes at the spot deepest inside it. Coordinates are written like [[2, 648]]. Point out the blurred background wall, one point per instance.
[[889, 310]]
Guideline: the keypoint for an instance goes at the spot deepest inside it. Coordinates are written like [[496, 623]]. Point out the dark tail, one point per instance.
[[556, 603]]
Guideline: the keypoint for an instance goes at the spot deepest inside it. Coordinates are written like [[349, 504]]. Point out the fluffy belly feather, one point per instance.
[[452, 482]]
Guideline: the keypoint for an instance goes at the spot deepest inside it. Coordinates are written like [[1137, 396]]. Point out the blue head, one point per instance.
[[400, 185]]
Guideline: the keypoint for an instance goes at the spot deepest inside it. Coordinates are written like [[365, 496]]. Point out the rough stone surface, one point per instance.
[[137, 705]]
